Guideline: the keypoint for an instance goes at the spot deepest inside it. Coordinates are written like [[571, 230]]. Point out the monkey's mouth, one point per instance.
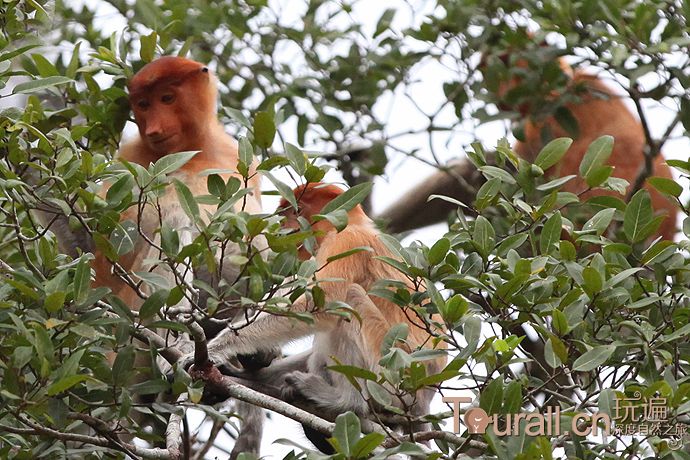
[[162, 140]]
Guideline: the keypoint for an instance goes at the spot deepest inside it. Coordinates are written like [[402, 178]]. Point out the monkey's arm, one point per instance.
[[412, 210], [264, 333]]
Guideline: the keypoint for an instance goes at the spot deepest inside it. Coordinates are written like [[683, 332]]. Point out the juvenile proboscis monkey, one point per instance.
[[598, 111], [354, 342]]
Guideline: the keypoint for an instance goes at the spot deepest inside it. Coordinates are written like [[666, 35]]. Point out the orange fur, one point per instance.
[[599, 112], [361, 268], [174, 105]]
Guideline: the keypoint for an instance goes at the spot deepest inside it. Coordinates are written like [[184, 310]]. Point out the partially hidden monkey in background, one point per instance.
[[174, 104], [598, 112], [354, 342]]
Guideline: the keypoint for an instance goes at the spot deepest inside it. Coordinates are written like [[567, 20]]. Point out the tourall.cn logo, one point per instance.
[[476, 420], [630, 416]]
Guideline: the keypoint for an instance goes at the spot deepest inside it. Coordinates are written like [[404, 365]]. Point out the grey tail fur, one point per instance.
[[251, 429]]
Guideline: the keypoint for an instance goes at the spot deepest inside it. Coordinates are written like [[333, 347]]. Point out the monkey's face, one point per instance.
[[291, 222], [174, 102], [163, 124], [310, 202]]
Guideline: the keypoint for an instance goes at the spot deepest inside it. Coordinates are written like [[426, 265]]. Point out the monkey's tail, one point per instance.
[[251, 429], [460, 181]]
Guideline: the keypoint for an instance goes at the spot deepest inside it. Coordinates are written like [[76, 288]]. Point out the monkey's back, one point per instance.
[[601, 112]]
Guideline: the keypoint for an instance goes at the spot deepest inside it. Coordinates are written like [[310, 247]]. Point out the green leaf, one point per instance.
[[600, 221], [215, 185], [71, 70], [512, 242], [637, 216], [285, 191], [264, 129], [349, 198], [384, 21], [121, 189], [551, 234], [353, 371], [55, 301], [667, 186], [153, 304], [297, 158], [245, 151], [592, 281], [553, 152], [172, 162], [567, 120], [337, 218], [17, 52], [550, 356], [560, 322], [151, 387], [347, 432], [512, 398], [342, 255], [397, 333], [598, 152], [170, 325], [491, 399], [598, 175], [607, 402], [454, 309], [170, 240], [187, 201], [556, 183], [483, 236], [498, 173], [44, 66], [124, 236], [40, 84], [82, 280], [487, 192], [379, 393], [122, 367], [684, 331], [622, 276], [148, 46], [367, 444], [438, 251], [66, 383], [593, 358]]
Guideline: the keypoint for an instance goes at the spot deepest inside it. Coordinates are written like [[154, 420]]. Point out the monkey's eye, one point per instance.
[[168, 98], [143, 104]]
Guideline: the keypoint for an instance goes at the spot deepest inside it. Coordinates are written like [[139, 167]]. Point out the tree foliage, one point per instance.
[[608, 306]]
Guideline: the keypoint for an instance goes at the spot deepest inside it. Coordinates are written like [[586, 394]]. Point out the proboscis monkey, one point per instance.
[[354, 342], [174, 104], [599, 111]]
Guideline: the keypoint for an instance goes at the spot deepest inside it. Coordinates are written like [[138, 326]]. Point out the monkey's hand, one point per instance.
[[301, 387], [259, 359], [241, 365]]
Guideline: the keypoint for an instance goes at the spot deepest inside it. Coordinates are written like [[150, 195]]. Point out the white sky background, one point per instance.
[[401, 172]]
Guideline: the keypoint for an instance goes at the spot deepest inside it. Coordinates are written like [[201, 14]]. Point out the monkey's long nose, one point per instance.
[[154, 134], [154, 131]]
